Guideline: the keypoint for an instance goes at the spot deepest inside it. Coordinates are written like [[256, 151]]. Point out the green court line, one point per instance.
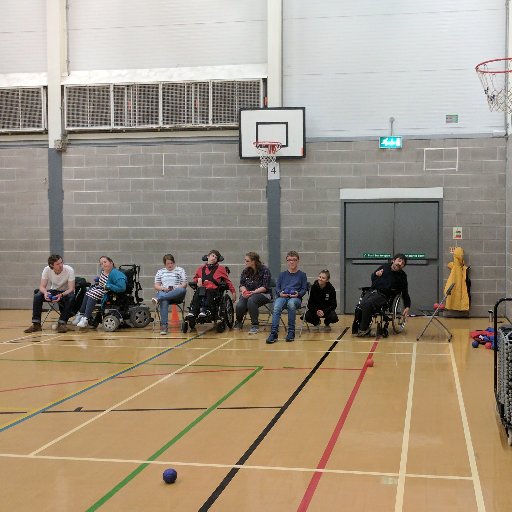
[[166, 446], [123, 362]]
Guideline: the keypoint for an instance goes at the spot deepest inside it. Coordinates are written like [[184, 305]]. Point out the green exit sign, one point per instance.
[[390, 142]]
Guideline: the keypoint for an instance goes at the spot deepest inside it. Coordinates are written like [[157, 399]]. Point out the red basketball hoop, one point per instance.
[[494, 77], [267, 151]]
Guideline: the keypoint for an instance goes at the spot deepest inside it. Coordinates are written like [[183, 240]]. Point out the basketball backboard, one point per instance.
[[284, 125]]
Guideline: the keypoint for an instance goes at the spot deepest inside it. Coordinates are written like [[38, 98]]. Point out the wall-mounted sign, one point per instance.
[[376, 255], [457, 233], [390, 142]]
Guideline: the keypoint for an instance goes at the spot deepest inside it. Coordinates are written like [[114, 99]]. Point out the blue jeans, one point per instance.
[[175, 296], [292, 305], [65, 305]]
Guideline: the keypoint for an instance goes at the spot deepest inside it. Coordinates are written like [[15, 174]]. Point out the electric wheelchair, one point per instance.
[[222, 312], [389, 313], [124, 308]]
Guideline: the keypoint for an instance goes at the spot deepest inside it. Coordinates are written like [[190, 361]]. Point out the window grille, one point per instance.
[[160, 105], [22, 109], [87, 106]]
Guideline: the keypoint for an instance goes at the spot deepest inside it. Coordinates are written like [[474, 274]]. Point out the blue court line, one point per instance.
[[92, 386]]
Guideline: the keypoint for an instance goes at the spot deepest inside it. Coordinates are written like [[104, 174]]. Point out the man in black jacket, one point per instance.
[[388, 280]]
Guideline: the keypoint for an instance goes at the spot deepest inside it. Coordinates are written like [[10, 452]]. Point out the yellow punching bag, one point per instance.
[[458, 300]]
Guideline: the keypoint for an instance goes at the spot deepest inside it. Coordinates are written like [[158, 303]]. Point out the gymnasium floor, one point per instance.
[[90, 421]]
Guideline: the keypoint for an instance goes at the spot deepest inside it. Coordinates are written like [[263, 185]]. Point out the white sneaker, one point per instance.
[[315, 328], [77, 319], [327, 328], [84, 322], [154, 300]]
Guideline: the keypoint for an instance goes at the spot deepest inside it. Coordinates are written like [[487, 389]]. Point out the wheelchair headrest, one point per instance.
[[205, 258]]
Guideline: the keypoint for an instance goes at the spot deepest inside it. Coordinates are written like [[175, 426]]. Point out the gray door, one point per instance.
[[374, 231]]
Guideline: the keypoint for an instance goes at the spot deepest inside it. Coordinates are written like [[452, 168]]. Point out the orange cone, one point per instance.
[[174, 314]]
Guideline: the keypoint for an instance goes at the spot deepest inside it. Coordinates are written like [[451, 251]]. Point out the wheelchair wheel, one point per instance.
[[111, 323], [227, 312], [184, 326], [398, 318], [139, 316]]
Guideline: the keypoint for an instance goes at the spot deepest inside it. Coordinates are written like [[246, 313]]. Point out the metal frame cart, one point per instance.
[[503, 371]]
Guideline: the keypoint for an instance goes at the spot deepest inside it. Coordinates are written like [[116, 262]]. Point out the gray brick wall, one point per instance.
[[135, 202]]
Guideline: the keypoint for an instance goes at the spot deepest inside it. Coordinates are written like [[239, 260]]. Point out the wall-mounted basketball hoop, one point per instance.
[[495, 78], [267, 151]]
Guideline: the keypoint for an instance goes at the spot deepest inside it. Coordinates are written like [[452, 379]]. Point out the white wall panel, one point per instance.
[[23, 36], [353, 65], [129, 34]]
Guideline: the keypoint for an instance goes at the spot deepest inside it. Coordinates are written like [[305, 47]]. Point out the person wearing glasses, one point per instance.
[[322, 303], [254, 289], [386, 280], [292, 285]]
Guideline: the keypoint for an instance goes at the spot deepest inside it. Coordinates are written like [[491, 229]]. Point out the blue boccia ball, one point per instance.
[[52, 297], [170, 476], [475, 344]]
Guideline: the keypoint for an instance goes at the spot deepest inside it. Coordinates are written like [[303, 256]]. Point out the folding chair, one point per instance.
[[433, 315], [53, 307], [302, 310], [269, 307]]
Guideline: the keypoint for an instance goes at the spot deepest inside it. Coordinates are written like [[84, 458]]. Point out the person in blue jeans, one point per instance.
[[292, 285], [171, 287]]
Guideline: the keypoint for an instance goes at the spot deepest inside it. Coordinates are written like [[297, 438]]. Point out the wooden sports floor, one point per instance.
[[90, 421]]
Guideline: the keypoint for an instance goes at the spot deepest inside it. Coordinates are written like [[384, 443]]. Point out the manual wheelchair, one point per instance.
[[390, 313], [125, 308], [221, 313]]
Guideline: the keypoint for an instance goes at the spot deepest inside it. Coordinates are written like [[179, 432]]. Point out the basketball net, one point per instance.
[[267, 151], [494, 76]]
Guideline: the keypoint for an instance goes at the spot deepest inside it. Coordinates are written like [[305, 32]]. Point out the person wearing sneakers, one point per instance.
[[386, 280], [110, 279], [57, 282], [255, 290], [322, 303], [171, 287], [208, 278], [292, 285]]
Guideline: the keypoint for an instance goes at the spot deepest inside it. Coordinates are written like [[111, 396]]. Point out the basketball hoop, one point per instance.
[[267, 151], [494, 77]]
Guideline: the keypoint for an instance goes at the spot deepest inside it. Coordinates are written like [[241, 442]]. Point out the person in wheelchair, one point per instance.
[[110, 279], [207, 280], [58, 286], [388, 280]]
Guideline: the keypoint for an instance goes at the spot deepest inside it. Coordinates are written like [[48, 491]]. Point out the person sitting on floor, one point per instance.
[[322, 302]]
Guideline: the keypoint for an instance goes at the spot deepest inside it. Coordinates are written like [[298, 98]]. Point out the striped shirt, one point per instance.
[[97, 290], [171, 278]]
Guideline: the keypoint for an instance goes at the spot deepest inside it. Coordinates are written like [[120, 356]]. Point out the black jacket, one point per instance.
[[391, 282], [322, 298]]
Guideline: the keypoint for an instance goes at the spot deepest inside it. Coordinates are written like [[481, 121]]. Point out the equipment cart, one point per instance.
[[503, 371]]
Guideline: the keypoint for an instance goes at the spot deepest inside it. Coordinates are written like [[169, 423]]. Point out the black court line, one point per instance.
[[233, 472]]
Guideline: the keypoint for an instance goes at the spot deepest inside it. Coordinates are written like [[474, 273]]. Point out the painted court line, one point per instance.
[[400, 488], [176, 438], [227, 466], [467, 435], [315, 479], [122, 402], [98, 383]]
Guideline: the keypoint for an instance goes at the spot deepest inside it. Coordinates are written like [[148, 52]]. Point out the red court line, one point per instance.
[[315, 479]]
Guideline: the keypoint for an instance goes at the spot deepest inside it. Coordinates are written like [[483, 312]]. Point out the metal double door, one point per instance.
[[376, 230]]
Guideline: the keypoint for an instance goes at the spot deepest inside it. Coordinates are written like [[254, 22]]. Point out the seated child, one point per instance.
[[208, 278]]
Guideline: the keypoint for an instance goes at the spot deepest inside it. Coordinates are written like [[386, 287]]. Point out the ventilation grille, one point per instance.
[[163, 105], [22, 109]]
